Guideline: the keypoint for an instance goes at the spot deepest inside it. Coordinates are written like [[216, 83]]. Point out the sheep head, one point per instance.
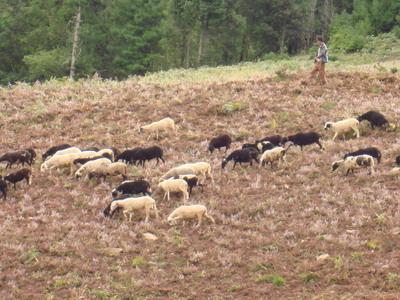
[[224, 162], [336, 165], [328, 125]]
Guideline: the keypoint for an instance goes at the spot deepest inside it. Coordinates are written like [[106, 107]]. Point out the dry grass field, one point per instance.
[[293, 232]]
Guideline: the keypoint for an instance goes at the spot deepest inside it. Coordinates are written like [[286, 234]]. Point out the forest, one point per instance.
[[118, 38]]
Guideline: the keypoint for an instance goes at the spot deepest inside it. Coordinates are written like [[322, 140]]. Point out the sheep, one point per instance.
[[3, 187], [132, 187], [192, 181], [275, 154], [113, 169], [398, 160], [177, 171], [129, 156], [200, 168], [343, 126], [22, 157], [92, 166], [57, 161], [259, 147], [19, 176], [149, 153], [276, 140], [131, 204], [185, 212], [69, 150], [372, 151], [303, 139], [166, 124], [240, 156], [82, 161], [174, 185], [375, 118], [219, 142], [354, 162], [108, 152], [54, 149], [116, 151], [107, 209], [32, 155]]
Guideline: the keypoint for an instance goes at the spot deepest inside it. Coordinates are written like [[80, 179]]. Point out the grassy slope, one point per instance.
[[270, 223]]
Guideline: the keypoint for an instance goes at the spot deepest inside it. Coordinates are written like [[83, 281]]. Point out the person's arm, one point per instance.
[[323, 51]]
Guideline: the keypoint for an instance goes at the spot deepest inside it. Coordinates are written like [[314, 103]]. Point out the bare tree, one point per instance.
[[75, 44]]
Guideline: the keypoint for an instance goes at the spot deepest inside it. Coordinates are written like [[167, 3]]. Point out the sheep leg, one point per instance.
[[200, 219], [157, 134], [147, 214], [357, 132], [125, 214], [168, 198], [165, 195], [155, 210], [162, 159], [334, 137], [348, 171], [209, 217], [234, 164], [320, 145], [15, 186]]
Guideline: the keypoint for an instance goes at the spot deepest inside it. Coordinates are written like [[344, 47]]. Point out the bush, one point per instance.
[[275, 56]]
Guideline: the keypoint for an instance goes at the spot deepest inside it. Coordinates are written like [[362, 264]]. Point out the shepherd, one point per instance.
[[320, 60]]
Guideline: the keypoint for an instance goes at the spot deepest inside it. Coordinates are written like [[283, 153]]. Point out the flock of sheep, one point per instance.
[[135, 195]]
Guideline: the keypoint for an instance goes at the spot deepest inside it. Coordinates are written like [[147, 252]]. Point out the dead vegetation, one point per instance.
[[271, 225]]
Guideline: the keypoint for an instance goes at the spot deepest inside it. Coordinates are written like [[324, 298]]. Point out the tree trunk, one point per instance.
[[283, 37], [203, 40], [244, 50], [187, 53], [327, 14], [75, 44], [309, 37]]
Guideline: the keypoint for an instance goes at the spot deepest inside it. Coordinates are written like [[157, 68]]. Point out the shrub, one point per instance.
[[275, 56], [271, 278]]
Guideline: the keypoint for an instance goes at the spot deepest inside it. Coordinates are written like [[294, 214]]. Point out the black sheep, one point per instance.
[[241, 156], [192, 181], [375, 118], [132, 187], [303, 139], [32, 155], [277, 140], [219, 142], [19, 176], [54, 149], [22, 157], [398, 160], [372, 151], [3, 188], [149, 154], [129, 156]]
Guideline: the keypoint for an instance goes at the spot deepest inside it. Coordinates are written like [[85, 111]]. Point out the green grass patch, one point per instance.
[[373, 245], [138, 261], [232, 107], [275, 279], [30, 257], [309, 277], [328, 105]]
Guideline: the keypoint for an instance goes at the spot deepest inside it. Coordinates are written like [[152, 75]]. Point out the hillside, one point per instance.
[[271, 225]]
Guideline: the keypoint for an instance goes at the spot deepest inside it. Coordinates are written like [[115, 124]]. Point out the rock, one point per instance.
[[323, 257], [149, 236]]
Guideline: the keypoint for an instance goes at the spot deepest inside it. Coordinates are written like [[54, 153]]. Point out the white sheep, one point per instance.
[[113, 169], [65, 160], [354, 162], [131, 204], [92, 166], [270, 156], [177, 171], [69, 150], [341, 127], [174, 185], [185, 212], [200, 168], [166, 124]]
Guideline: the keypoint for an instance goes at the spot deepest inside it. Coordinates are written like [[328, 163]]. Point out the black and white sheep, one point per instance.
[[52, 150], [304, 139], [375, 118], [107, 209], [372, 151], [343, 126], [354, 162], [32, 155], [192, 181], [276, 140], [18, 176], [22, 157], [272, 155], [132, 187], [3, 187], [240, 156], [221, 141]]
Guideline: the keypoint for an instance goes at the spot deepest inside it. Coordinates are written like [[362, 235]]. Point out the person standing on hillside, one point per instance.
[[320, 60]]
